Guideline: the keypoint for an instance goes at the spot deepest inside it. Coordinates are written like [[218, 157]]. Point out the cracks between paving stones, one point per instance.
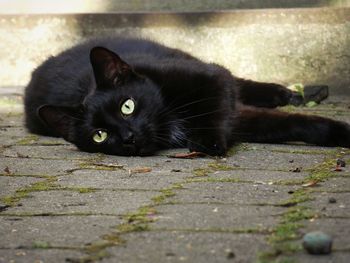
[[144, 216], [280, 237], [284, 235]]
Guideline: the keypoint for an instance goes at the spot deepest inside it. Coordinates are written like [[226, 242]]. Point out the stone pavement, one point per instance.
[[61, 205]]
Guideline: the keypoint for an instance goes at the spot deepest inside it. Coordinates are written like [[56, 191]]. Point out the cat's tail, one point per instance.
[[273, 126]]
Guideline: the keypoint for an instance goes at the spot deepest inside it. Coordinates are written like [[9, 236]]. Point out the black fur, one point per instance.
[[180, 101]]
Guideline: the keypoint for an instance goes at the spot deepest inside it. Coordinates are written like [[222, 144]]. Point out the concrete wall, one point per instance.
[[98, 6], [309, 45]]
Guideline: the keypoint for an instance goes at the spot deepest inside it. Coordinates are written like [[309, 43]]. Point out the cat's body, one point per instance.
[[151, 97]]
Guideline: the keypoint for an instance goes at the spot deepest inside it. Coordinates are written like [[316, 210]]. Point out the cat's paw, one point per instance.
[[344, 136], [339, 134]]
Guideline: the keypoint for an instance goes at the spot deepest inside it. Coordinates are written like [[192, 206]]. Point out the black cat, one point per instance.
[[153, 97]]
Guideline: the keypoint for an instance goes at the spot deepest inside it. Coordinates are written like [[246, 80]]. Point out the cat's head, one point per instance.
[[122, 116]]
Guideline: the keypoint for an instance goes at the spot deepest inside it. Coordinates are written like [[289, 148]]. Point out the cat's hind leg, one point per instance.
[[273, 126], [267, 95]]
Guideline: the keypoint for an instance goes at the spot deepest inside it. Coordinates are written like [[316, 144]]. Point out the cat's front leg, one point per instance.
[[209, 143]]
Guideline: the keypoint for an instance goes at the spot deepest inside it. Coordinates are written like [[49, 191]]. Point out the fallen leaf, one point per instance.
[[140, 170], [111, 165], [311, 183], [338, 168], [190, 155]]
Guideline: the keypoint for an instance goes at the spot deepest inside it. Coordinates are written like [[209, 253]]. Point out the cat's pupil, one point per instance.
[[128, 107], [100, 136]]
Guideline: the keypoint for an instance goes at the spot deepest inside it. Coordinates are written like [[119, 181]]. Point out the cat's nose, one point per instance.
[[129, 138]]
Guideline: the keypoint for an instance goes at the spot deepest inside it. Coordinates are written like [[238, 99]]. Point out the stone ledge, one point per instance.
[[281, 45], [101, 6]]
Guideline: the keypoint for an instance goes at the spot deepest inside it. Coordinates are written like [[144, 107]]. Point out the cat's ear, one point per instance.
[[60, 119], [108, 67]]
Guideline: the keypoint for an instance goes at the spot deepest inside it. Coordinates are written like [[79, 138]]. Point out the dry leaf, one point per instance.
[[338, 168], [341, 163], [311, 183], [140, 170], [111, 165], [190, 155]]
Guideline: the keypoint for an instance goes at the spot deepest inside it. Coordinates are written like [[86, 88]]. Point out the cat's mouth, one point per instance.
[[133, 150], [130, 149]]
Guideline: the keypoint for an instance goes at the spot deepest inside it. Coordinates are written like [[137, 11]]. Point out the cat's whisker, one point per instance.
[[196, 143], [206, 128], [188, 104], [164, 141], [203, 114]]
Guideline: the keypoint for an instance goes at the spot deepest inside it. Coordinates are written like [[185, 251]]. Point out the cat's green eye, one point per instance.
[[128, 107], [100, 136]]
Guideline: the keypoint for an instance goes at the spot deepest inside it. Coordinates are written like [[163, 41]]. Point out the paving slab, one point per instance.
[[59, 231], [258, 176], [337, 257], [335, 184], [232, 193], [162, 161], [9, 129], [331, 204], [9, 184], [48, 152], [267, 160], [297, 148], [121, 179], [36, 167], [99, 202], [37, 255], [215, 216], [10, 135], [8, 120], [178, 246]]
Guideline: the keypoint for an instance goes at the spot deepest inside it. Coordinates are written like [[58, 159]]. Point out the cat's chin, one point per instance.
[[141, 152], [136, 151]]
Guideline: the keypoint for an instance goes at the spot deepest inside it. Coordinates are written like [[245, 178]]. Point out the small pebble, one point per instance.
[[332, 200], [317, 243], [170, 254], [231, 255], [296, 170]]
